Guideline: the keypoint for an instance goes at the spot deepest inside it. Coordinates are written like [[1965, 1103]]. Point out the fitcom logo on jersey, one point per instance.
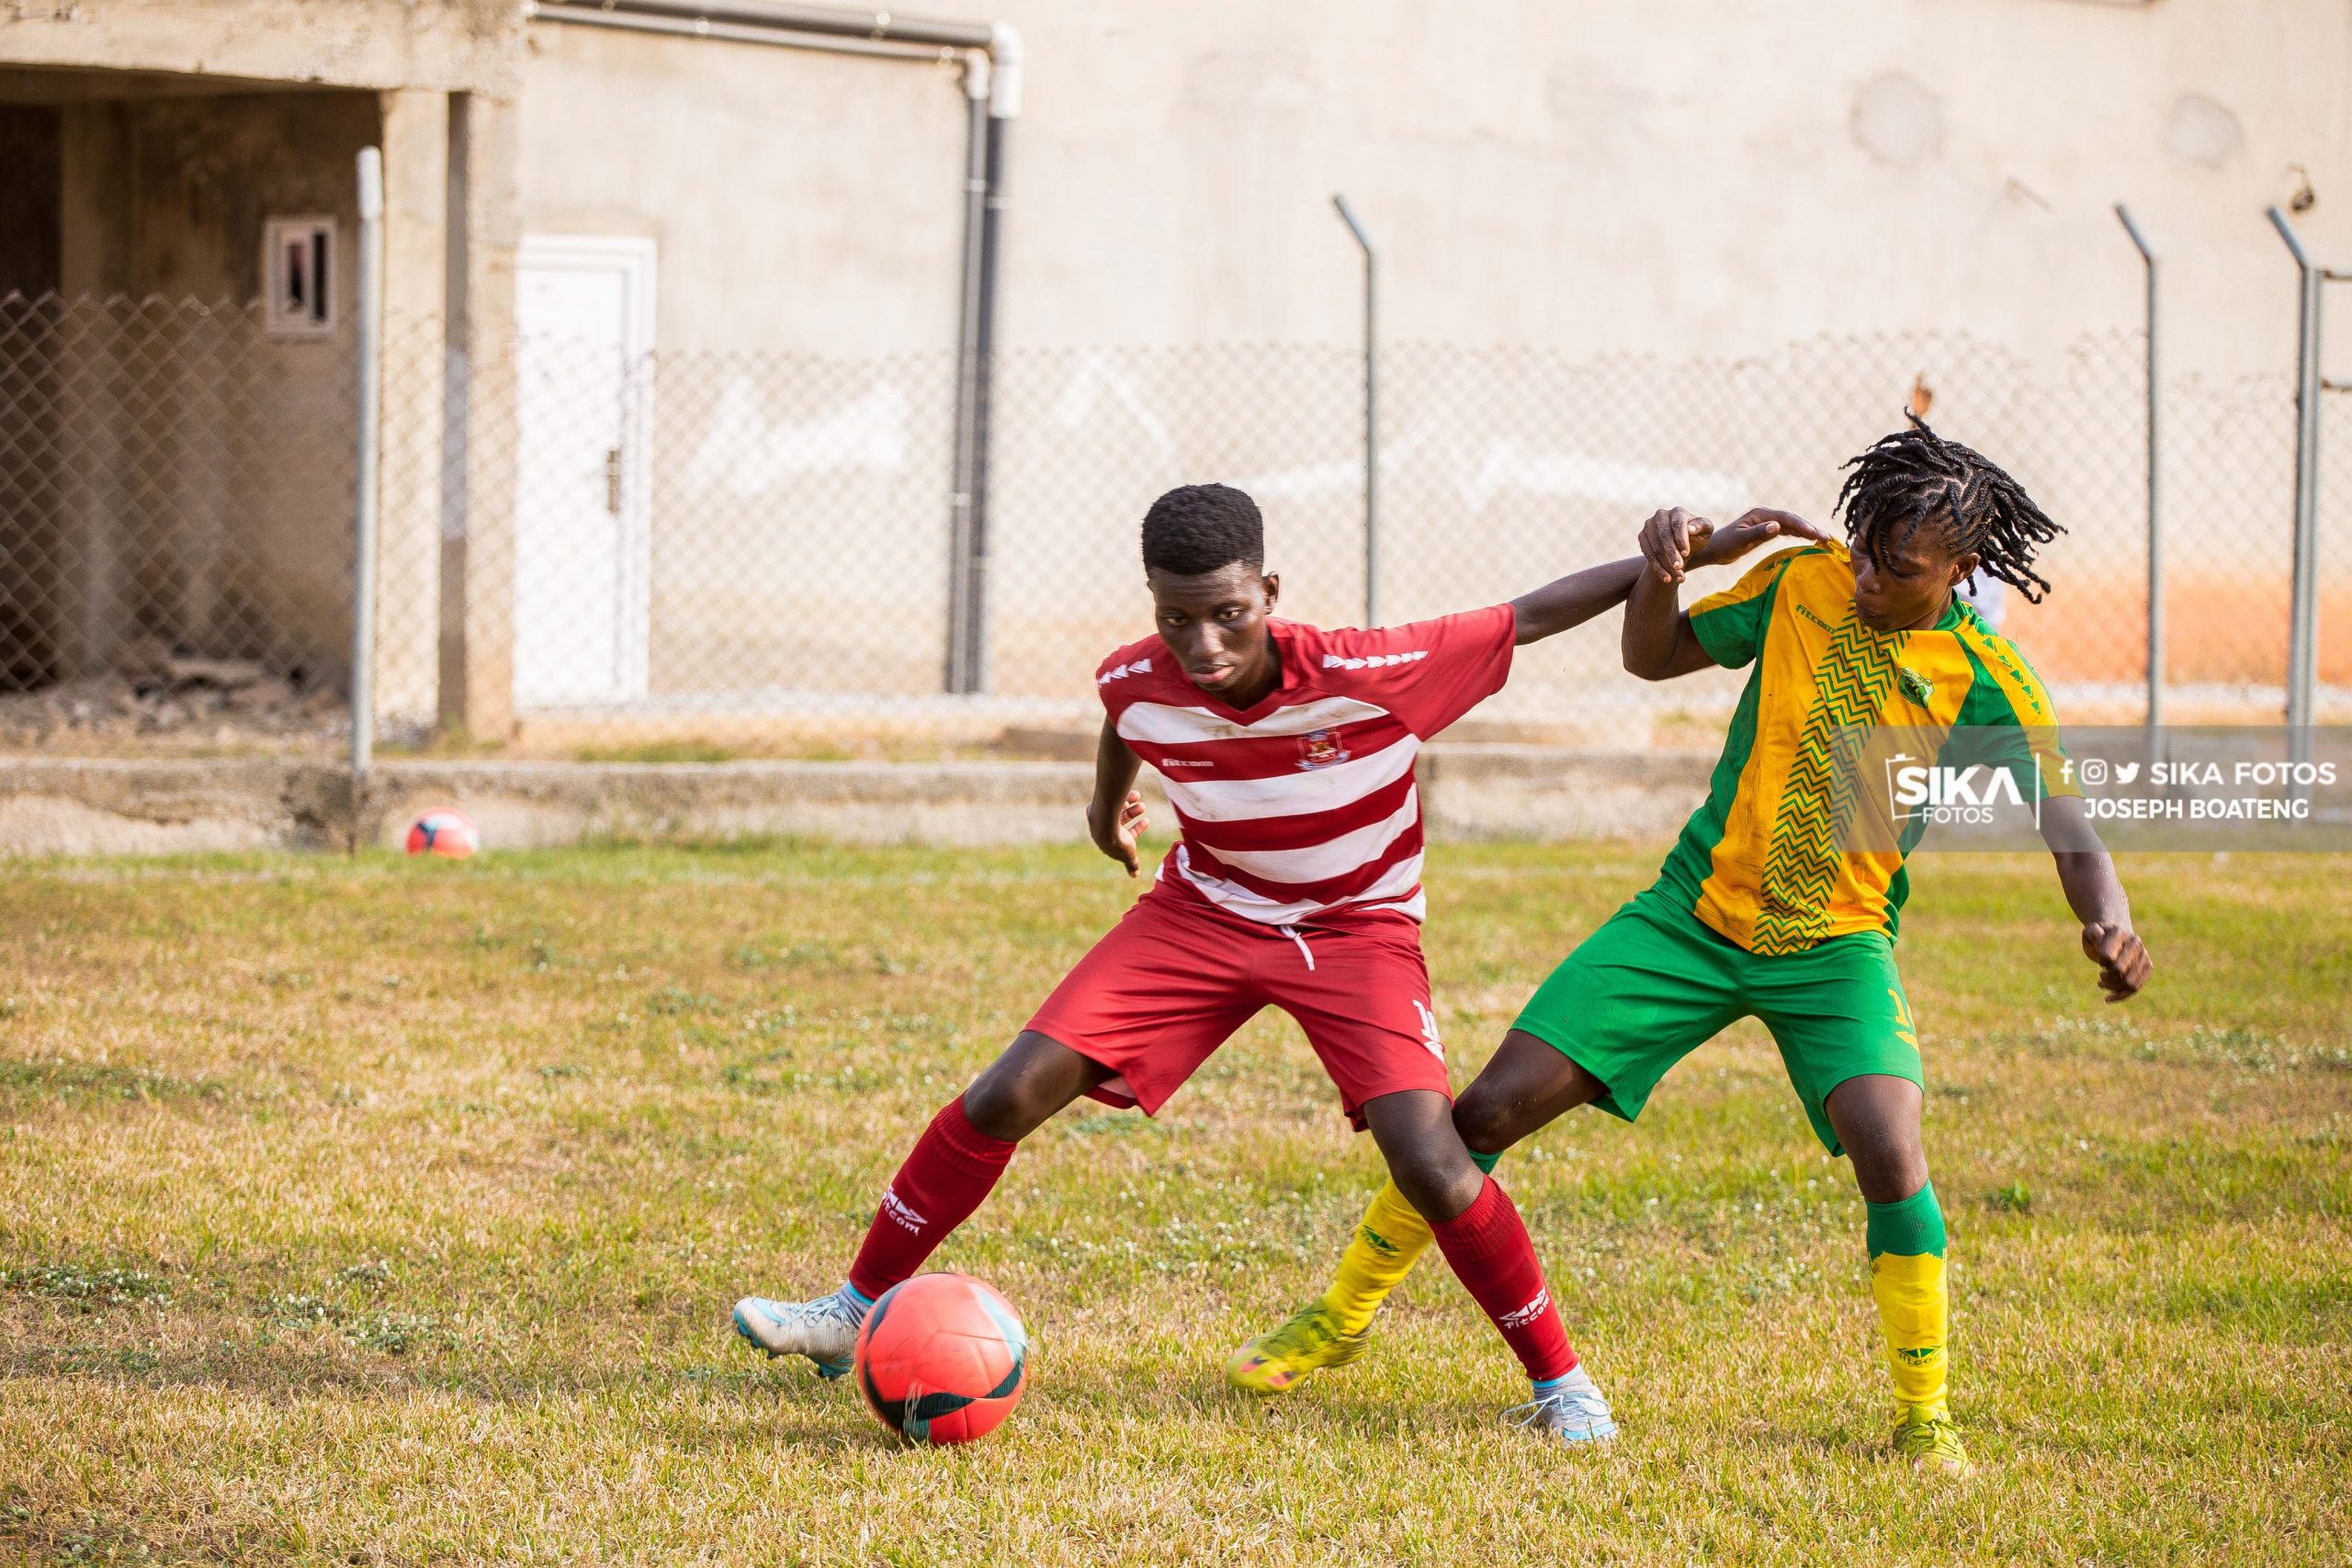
[[1933, 792], [1321, 749]]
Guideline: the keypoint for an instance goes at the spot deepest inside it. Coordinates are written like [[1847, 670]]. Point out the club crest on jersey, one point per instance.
[[1916, 686], [1320, 749]]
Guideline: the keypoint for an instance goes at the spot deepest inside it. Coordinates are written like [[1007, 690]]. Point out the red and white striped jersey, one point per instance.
[[1304, 803]]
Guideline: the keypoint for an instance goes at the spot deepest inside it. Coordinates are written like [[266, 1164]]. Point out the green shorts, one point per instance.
[[1654, 984]]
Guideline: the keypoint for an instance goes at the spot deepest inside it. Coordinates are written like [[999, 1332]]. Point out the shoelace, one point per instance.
[[1305, 1331], [1589, 1409], [1941, 1434]]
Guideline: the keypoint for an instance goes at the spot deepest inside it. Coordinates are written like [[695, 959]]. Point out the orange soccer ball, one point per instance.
[[942, 1358], [450, 834]]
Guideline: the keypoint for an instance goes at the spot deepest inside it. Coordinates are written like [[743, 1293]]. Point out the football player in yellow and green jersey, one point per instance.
[[1766, 907]]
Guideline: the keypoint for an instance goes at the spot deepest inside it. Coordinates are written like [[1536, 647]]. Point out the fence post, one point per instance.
[[368, 327], [2155, 529], [2303, 628], [963, 583], [1371, 418]]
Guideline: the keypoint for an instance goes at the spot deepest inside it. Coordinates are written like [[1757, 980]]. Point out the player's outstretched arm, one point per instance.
[[2095, 895], [1115, 818], [1572, 600], [1658, 643]]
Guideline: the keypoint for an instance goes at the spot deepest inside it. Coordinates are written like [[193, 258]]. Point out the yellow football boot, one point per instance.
[[1273, 1363], [1927, 1438]]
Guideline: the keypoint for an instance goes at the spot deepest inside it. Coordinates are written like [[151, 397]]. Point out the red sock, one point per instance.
[[953, 1168], [1488, 1249]]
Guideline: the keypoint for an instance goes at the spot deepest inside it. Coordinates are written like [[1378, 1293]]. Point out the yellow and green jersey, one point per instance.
[[1764, 862]]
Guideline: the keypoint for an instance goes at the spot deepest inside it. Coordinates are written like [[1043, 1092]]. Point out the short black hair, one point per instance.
[[1916, 476], [1201, 528]]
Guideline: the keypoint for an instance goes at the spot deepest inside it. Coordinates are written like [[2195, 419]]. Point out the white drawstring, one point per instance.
[[1304, 950]]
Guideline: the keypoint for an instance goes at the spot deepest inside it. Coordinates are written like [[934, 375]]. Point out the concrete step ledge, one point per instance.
[[77, 806]]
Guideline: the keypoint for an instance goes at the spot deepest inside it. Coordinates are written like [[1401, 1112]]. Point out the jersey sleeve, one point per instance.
[[2008, 715], [1117, 680], [1730, 624], [1428, 673]]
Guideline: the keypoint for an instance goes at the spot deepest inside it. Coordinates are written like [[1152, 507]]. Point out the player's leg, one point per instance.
[[1643, 991], [1479, 1230], [950, 1172], [1877, 1118], [1525, 1085], [1128, 1025], [1844, 1027]]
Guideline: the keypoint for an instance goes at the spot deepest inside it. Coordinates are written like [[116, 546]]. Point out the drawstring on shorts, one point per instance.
[[1304, 950]]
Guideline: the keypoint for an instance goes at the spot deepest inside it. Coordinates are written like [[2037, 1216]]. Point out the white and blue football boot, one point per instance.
[[824, 1330], [1568, 1409]]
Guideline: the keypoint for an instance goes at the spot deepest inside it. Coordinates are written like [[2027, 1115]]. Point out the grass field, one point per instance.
[[370, 1212]]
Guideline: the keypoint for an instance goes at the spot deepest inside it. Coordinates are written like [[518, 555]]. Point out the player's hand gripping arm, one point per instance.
[[1658, 643], [1115, 818], [2095, 895]]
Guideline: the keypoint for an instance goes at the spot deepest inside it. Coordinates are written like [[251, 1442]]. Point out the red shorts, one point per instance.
[[1177, 975]]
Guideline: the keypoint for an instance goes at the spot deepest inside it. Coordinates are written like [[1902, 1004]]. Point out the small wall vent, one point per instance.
[[298, 273]]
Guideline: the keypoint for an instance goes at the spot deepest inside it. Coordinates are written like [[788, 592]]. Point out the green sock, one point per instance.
[[1912, 1227], [1485, 1162]]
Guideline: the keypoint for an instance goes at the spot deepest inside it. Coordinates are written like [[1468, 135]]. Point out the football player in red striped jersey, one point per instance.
[[1288, 756]]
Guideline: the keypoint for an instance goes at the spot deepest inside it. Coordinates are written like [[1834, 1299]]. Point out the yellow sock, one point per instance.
[[1906, 1243], [1913, 1313], [1389, 1238]]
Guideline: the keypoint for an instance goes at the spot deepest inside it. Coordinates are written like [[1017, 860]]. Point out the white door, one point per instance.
[[582, 545]]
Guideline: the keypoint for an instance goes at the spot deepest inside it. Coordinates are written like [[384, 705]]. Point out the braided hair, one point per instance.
[[1916, 477]]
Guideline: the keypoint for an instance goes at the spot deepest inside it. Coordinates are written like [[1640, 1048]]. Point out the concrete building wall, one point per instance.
[[194, 476], [449, 45], [801, 201], [209, 496], [1676, 176], [1693, 180], [28, 198], [168, 194], [1669, 176], [1695, 183]]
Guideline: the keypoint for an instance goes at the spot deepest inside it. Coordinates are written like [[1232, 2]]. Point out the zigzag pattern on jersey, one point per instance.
[[1817, 802]]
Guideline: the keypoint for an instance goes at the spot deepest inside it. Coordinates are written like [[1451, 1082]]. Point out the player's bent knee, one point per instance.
[[996, 1109], [1438, 1188], [1877, 1118], [1021, 1089], [1487, 1119]]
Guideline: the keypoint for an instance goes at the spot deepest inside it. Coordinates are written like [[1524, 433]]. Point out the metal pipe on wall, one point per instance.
[[2155, 515], [772, 15], [727, 32], [992, 95], [1371, 416], [973, 416], [963, 611]]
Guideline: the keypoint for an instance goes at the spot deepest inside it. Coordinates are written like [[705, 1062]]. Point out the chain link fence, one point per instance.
[[175, 518], [586, 549]]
